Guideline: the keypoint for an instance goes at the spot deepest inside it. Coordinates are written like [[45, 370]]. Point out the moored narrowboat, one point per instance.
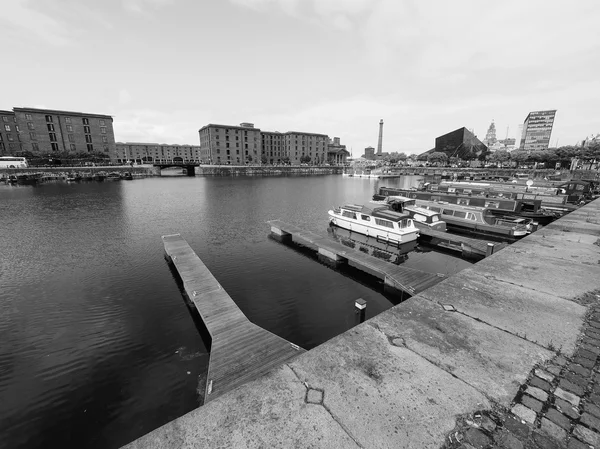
[[476, 220]]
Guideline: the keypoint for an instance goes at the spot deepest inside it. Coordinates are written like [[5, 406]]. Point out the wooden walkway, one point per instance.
[[240, 350], [406, 279], [476, 246]]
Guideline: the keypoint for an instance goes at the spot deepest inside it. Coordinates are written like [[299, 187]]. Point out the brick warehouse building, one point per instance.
[[47, 131], [150, 152], [226, 144], [10, 141]]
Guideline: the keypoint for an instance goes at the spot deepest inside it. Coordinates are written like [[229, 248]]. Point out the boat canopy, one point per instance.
[[379, 212], [384, 212]]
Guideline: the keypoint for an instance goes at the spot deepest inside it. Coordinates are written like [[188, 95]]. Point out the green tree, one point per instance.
[[263, 158], [499, 157], [305, 159], [590, 154], [566, 153], [437, 157], [285, 160], [519, 156]]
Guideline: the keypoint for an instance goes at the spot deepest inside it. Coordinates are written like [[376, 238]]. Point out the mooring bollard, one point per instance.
[[534, 226], [490, 249], [361, 305]]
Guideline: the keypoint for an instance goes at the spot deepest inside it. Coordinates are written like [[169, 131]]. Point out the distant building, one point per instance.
[[592, 139], [49, 131], [537, 128], [460, 143], [508, 144], [151, 152], [227, 144], [273, 146], [490, 136], [224, 144], [10, 140], [300, 144], [369, 153], [336, 152]]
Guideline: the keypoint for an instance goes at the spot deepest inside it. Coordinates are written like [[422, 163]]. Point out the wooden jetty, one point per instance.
[[240, 350], [402, 278], [468, 246]]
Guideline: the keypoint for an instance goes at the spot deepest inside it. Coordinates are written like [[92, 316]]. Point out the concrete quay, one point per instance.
[[411, 376]]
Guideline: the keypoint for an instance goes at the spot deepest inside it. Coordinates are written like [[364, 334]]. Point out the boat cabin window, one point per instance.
[[435, 219], [387, 224], [435, 209], [419, 217], [471, 216], [460, 214], [467, 191], [528, 207], [403, 223], [579, 187], [451, 189], [349, 214], [492, 204], [447, 212], [365, 217], [462, 201]]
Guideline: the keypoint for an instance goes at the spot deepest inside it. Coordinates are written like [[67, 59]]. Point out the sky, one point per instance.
[[165, 68]]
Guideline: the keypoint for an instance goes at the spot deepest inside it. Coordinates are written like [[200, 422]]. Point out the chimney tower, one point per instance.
[[380, 142]]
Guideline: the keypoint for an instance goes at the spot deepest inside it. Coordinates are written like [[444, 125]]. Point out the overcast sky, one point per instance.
[[165, 68]]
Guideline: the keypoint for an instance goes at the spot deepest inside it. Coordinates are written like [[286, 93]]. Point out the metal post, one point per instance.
[[361, 305], [490, 249]]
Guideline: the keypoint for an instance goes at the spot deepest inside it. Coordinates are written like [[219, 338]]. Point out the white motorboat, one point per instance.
[[378, 222]]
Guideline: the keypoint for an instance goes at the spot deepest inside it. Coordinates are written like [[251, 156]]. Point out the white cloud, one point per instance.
[[142, 6], [26, 20], [124, 97], [148, 125], [426, 35]]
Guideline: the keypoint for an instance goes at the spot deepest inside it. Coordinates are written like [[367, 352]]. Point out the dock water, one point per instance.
[[240, 350], [409, 280]]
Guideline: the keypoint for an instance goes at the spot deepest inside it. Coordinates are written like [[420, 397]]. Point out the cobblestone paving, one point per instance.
[[557, 407]]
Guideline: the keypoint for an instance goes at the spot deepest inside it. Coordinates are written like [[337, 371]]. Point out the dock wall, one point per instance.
[[250, 170], [404, 377], [202, 170], [135, 170]]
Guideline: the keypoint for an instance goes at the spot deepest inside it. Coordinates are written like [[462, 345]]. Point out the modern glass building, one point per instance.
[[536, 130]]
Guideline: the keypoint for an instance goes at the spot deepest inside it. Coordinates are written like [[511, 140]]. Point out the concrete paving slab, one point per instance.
[[489, 359], [388, 396], [589, 224], [536, 316], [569, 246], [268, 413], [538, 271]]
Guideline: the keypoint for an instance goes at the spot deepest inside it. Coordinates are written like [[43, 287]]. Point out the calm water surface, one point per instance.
[[97, 346]]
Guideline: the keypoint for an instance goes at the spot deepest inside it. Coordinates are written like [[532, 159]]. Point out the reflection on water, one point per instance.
[[97, 346]]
